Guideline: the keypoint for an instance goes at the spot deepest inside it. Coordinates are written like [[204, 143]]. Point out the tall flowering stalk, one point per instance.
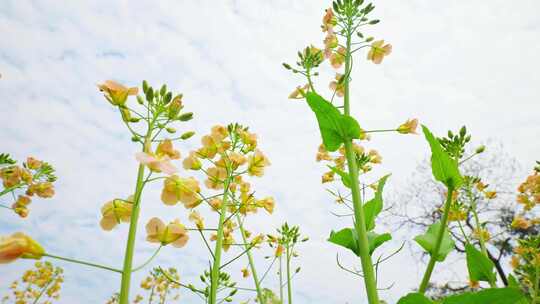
[[339, 129]]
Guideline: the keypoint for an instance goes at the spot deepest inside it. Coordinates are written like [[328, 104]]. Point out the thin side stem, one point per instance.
[[250, 259], [82, 262], [289, 287], [281, 278], [438, 242]]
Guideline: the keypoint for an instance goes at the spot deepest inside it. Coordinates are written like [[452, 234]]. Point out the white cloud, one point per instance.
[[459, 63]]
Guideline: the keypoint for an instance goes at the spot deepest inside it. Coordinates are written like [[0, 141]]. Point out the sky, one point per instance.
[[454, 63]]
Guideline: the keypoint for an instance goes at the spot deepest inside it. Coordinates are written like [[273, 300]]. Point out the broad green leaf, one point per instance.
[[480, 267], [335, 127], [375, 240], [345, 177], [512, 281], [345, 238], [428, 240], [489, 296], [374, 206], [415, 298], [444, 168]]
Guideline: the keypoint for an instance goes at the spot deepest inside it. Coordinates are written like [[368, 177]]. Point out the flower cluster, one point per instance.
[[365, 160], [42, 283], [161, 287], [528, 197], [33, 177], [526, 263], [334, 24]]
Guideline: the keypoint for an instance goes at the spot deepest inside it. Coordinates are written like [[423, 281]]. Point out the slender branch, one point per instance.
[[82, 262]]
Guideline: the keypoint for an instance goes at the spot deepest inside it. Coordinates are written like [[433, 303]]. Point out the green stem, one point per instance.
[[214, 278], [82, 262], [360, 226], [438, 242], [281, 278], [130, 246], [536, 284], [289, 287], [250, 259], [148, 261]]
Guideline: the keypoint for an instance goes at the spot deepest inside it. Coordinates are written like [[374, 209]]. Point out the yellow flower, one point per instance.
[[215, 203], [185, 190], [115, 212], [299, 92], [329, 20], [20, 206], [233, 159], [196, 217], [256, 163], [11, 176], [279, 250], [192, 162], [160, 161], [474, 284], [249, 139], [521, 223], [515, 262], [43, 190], [267, 203], [375, 157], [19, 245], [245, 272], [328, 177], [338, 87], [173, 233], [378, 51], [219, 133], [337, 58], [33, 163], [490, 194], [480, 232], [216, 177], [481, 186], [408, 127], [116, 93]]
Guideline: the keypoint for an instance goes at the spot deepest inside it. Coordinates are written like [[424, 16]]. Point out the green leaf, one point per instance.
[[512, 281], [480, 267], [335, 127], [428, 240], [345, 238], [345, 177], [375, 240], [445, 169], [415, 298], [373, 207], [489, 296]]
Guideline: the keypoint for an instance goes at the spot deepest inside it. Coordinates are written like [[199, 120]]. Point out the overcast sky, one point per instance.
[[453, 63]]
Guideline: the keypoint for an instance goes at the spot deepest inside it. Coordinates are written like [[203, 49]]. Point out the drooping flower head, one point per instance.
[[116, 93], [378, 51], [115, 212], [19, 245], [185, 190], [173, 233]]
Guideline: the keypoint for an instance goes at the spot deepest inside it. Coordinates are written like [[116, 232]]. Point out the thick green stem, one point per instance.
[[250, 259], [536, 285], [214, 278], [359, 218], [289, 286], [82, 262], [130, 247], [438, 242]]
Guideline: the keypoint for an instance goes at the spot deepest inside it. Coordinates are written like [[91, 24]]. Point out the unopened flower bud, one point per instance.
[[186, 116], [171, 130], [187, 135], [480, 149]]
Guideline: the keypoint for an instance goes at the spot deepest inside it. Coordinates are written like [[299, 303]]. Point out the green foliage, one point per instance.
[[345, 177], [489, 296], [444, 168], [415, 298], [347, 238], [480, 267], [335, 127], [374, 206], [5, 159], [428, 240]]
